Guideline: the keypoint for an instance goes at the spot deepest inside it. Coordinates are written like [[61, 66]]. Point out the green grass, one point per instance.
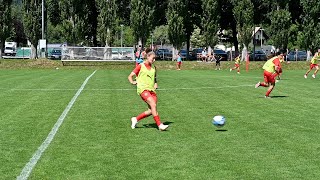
[[275, 138]]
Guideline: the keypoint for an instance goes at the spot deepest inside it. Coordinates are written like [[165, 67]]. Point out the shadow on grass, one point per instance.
[[222, 130], [275, 97], [154, 125], [279, 96]]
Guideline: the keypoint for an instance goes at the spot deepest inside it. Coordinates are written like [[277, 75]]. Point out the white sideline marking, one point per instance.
[[133, 89], [26, 171]]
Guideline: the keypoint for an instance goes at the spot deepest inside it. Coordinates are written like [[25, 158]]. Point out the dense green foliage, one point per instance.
[[288, 23], [32, 23], [5, 21]]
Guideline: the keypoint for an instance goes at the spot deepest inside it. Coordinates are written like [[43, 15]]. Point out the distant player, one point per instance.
[[236, 64], [271, 71], [146, 86], [139, 56], [314, 64], [179, 61], [218, 65]]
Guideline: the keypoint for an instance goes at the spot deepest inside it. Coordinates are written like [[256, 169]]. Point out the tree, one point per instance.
[[32, 23], [197, 39], [192, 18], [228, 22], [175, 17], [79, 21], [90, 22], [5, 22], [279, 28], [54, 15], [160, 12], [309, 39], [141, 19], [123, 11], [210, 21], [160, 34], [107, 21], [18, 34], [243, 14]]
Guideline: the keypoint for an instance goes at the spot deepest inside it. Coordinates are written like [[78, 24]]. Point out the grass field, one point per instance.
[[275, 138]]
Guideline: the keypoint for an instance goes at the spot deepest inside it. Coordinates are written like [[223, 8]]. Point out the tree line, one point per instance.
[[289, 23]]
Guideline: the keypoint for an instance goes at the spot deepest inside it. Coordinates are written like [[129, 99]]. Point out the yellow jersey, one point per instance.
[[270, 65], [146, 79], [315, 59], [237, 60]]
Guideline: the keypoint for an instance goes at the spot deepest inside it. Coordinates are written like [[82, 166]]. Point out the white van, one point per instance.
[[10, 48]]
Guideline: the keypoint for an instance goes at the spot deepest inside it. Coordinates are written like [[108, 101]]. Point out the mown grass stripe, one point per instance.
[[26, 171]]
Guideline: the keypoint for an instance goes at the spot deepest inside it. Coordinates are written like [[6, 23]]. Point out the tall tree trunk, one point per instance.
[[188, 44], [234, 36], [1, 48], [33, 52]]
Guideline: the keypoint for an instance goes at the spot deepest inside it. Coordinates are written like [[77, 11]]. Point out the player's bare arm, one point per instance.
[[130, 78]]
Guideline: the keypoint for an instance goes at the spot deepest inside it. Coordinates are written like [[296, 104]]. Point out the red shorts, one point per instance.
[[237, 65], [269, 77], [313, 66], [146, 94], [179, 62]]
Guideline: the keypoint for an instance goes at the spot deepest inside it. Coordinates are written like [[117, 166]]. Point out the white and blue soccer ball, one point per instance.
[[219, 121]]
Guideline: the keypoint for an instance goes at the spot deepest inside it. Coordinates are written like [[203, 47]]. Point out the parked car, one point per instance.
[[183, 53], [55, 54], [258, 56], [300, 56], [163, 54], [220, 53], [195, 54]]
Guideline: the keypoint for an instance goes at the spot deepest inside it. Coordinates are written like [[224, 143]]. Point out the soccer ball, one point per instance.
[[219, 121]]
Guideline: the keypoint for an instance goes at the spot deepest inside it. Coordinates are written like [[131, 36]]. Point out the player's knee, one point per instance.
[[152, 104]]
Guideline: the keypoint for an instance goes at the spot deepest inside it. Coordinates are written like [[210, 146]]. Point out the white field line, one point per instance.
[[26, 171], [133, 89]]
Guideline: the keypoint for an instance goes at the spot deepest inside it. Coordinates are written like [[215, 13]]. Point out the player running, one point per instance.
[[271, 71], [314, 64], [146, 86], [179, 61], [236, 64]]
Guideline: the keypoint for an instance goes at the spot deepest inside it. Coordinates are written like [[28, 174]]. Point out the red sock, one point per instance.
[[268, 92], [157, 120], [263, 84], [142, 116]]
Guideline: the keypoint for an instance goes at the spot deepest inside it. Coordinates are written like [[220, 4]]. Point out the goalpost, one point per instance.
[[97, 54]]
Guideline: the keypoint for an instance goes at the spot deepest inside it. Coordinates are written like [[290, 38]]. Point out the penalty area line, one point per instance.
[[26, 171]]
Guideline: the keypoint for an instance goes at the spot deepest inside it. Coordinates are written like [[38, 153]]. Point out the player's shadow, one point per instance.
[[222, 130], [279, 96], [154, 125], [275, 97]]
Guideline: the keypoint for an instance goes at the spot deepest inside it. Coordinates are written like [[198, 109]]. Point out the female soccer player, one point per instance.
[[271, 71], [146, 86], [236, 64], [179, 61], [314, 64]]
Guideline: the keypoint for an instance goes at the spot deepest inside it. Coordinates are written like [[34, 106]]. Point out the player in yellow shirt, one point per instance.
[[271, 71], [236, 64], [314, 64], [146, 86]]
